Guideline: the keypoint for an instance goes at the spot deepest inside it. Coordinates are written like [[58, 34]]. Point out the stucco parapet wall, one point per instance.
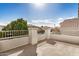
[[13, 43], [66, 38]]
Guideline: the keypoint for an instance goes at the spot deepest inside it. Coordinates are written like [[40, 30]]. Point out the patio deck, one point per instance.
[[26, 50]]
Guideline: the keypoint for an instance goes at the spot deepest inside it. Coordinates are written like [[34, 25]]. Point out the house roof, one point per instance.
[[70, 20]]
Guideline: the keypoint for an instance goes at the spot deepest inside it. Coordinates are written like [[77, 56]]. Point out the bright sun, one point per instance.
[[39, 5]]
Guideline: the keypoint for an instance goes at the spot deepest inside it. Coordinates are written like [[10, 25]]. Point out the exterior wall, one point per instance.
[[70, 27], [41, 37], [47, 32], [70, 32], [33, 36], [74, 23], [13, 43]]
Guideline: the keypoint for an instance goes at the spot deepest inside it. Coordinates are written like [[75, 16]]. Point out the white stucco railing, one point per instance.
[[13, 43], [12, 39], [13, 33], [23, 38]]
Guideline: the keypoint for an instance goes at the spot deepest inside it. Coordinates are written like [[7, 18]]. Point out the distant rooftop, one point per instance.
[[72, 19]]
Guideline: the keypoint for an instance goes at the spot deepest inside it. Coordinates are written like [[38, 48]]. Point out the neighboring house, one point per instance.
[[1, 27], [70, 26]]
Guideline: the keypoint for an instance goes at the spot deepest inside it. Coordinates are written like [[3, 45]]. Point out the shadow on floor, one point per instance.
[[28, 50]]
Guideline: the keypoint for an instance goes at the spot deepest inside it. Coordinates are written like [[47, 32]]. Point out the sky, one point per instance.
[[46, 14]]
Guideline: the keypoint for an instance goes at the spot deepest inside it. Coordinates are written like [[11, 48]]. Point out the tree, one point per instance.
[[19, 24]]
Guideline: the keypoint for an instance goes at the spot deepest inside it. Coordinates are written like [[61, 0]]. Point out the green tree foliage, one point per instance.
[[19, 24]]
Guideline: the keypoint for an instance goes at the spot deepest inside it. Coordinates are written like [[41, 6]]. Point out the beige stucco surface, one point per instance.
[[13, 43], [59, 49], [65, 38]]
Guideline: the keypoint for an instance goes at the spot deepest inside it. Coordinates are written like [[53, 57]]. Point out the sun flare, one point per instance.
[[39, 5]]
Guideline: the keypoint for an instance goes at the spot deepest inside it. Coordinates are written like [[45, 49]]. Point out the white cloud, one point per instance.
[[59, 20], [3, 23], [42, 22], [49, 22]]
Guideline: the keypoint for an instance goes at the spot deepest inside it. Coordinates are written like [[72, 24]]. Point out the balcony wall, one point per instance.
[[70, 31], [41, 37], [13, 43]]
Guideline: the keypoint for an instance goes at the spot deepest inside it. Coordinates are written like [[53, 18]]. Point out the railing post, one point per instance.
[[33, 36]]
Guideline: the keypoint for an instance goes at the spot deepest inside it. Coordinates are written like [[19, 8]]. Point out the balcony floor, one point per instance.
[[27, 50]]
